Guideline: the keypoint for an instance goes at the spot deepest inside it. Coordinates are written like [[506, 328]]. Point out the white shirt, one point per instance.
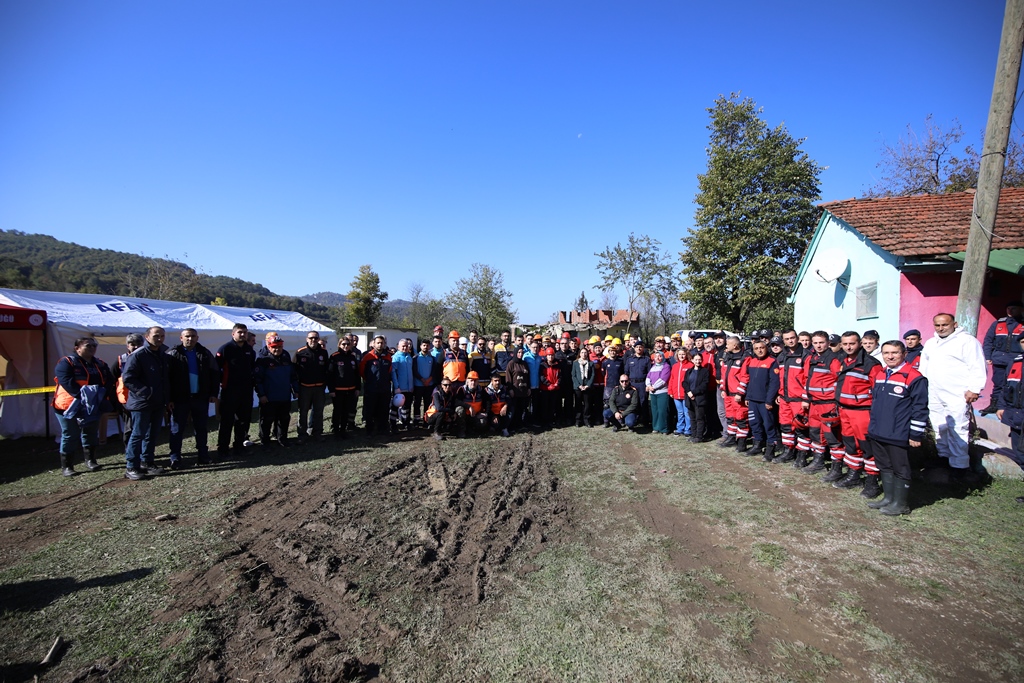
[[955, 364]]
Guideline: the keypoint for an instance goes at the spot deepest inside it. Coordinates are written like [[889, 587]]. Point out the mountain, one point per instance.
[[42, 262], [393, 311]]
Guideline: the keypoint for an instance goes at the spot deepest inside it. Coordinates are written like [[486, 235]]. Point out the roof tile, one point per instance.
[[930, 224]]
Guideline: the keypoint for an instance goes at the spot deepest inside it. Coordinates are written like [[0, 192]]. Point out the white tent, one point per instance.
[[109, 319]]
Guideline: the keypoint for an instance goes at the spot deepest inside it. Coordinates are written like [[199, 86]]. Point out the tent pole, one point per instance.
[[46, 364]]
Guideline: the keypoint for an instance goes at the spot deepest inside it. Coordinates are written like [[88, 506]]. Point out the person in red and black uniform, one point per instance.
[[796, 440], [71, 374], [899, 416], [375, 370], [498, 414], [1000, 348], [344, 382], [761, 392], [550, 389], [853, 394], [821, 370], [474, 400], [733, 385]]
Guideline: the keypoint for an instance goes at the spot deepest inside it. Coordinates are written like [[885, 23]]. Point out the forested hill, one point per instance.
[[42, 262]]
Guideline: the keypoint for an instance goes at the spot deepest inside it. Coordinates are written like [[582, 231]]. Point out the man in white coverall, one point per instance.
[[954, 363]]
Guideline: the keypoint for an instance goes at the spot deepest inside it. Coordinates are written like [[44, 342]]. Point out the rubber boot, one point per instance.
[[729, 440], [850, 481], [800, 458], [769, 454], [871, 487], [834, 474], [888, 484], [756, 447], [900, 494], [67, 466], [741, 445], [90, 460], [787, 455], [817, 464]]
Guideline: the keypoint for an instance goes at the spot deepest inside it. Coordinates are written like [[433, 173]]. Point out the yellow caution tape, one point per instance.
[[20, 392]]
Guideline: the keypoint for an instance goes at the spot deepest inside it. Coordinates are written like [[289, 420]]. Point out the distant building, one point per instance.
[[585, 324]]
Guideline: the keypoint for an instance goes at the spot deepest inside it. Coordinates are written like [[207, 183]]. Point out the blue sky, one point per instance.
[[289, 143]]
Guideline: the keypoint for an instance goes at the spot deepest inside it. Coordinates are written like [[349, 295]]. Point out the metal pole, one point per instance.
[[990, 175]]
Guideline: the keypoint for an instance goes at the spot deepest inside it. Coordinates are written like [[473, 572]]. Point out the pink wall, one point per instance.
[[922, 295]]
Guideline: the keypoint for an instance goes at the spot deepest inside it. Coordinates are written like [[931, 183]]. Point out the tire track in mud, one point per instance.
[[308, 593]]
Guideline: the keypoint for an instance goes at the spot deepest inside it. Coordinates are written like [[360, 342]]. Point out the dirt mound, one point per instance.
[[309, 593]]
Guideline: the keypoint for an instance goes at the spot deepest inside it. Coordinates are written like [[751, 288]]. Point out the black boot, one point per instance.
[[834, 474], [741, 445], [756, 447], [67, 465], [729, 440], [888, 484], [90, 460], [799, 459], [769, 454], [871, 487], [900, 493], [850, 481], [787, 455], [817, 464]]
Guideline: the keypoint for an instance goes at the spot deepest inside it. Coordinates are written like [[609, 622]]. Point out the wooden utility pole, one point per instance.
[[990, 175]]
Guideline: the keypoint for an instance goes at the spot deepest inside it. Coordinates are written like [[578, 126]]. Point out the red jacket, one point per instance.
[[734, 373], [792, 379], [675, 381], [549, 377], [854, 384], [822, 373]]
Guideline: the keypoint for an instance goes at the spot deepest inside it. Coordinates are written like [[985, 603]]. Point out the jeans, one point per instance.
[[142, 444], [682, 418], [627, 421], [198, 408], [73, 434]]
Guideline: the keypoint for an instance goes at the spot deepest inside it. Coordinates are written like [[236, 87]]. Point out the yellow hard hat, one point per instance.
[[608, 338], [617, 341], [594, 340]]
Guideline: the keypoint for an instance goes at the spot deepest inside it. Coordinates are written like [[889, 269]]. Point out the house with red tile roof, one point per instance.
[[891, 263]]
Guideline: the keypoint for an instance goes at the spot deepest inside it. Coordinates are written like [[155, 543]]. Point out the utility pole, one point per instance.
[[990, 175]]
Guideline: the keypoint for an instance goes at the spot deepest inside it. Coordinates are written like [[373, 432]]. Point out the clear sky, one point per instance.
[[288, 143]]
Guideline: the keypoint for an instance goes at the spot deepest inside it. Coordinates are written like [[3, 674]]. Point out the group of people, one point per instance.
[[841, 403]]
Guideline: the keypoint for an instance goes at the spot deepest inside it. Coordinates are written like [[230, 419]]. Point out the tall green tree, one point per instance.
[[581, 304], [365, 298], [637, 268], [483, 300], [755, 217]]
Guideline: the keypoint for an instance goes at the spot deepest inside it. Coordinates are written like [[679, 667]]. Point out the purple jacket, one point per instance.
[[657, 380]]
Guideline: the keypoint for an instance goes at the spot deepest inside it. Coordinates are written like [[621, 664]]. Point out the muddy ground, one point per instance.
[[304, 591]]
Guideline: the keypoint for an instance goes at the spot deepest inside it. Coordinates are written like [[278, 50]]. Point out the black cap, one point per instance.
[[834, 339], [776, 341], [912, 333], [872, 333], [719, 335]]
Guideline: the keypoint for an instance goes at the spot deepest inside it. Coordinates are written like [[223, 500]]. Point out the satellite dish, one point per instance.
[[831, 264]]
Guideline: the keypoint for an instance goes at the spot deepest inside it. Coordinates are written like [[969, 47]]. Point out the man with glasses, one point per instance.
[[344, 383], [621, 406], [445, 411], [311, 363]]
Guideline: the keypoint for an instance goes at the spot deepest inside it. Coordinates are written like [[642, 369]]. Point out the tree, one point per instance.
[[934, 162], [636, 268], [754, 220], [609, 301], [483, 300], [365, 299], [581, 304]]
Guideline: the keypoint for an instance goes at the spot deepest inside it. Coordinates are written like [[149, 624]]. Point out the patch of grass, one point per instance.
[[771, 555], [804, 663]]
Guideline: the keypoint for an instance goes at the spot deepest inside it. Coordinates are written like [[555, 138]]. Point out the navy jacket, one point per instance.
[[146, 374], [762, 380], [899, 405], [275, 377]]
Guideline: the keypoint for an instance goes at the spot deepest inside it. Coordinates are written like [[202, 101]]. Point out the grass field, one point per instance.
[[575, 554]]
